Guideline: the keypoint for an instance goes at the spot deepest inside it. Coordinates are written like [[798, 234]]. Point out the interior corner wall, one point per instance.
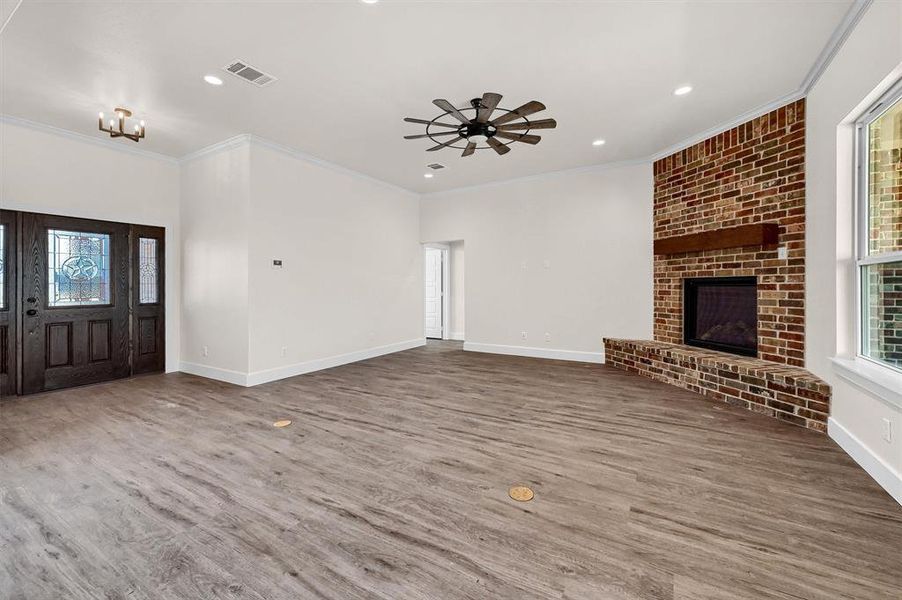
[[871, 58], [350, 285], [566, 254], [55, 173], [215, 191], [457, 318]]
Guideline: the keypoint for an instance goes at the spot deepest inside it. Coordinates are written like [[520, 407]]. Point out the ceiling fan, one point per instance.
[[512, 126]]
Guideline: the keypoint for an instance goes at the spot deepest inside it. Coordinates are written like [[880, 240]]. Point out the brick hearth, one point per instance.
[[777, 390]]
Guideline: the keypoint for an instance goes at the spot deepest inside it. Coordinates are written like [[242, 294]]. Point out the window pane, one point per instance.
[[147, 270], [882, 312], [78, 268], [885, 181], [2, 266]]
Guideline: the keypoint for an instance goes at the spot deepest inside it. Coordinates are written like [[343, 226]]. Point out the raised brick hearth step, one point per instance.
[[778, 390]]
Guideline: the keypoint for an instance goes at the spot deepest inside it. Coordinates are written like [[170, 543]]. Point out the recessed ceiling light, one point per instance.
[[369, 1], [212, 79], [428, 175], [598, 143], [682, 91]]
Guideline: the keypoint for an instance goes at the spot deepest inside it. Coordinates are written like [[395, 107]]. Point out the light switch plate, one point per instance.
[[276, 263]]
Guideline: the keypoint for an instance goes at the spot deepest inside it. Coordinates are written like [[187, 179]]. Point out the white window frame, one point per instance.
[[862, 217]]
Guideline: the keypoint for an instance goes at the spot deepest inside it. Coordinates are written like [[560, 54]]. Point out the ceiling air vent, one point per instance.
[[436, 166], [241, 69]]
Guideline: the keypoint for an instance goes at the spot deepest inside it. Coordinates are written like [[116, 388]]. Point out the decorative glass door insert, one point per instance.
[[78, 270]]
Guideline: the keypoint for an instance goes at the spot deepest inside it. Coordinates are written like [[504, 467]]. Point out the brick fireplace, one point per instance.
[[733, 206]]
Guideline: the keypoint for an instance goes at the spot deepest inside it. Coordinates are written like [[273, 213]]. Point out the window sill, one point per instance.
[[881, 382]]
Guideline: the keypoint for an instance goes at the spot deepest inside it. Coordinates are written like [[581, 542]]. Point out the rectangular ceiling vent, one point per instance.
[[241, 69], [436, 166]]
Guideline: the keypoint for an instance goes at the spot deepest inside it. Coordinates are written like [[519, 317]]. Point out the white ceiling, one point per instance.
[[349, 72]]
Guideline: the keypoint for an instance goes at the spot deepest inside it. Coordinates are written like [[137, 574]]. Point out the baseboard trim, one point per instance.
[[456, 335], [884, 474], [574, 355], [226, 375], [267, 375]]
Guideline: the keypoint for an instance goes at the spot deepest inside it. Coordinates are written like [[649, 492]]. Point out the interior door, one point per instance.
[[148, 299], [432, 282], [75, 301], [8, 303]]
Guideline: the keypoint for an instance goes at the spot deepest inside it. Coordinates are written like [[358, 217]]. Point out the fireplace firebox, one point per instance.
[[721, 313]]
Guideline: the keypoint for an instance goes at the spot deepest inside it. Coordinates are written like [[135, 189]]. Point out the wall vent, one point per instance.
[[436, 166], [241, 69]]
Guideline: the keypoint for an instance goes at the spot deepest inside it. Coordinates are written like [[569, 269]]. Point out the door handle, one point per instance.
[[31, 312]]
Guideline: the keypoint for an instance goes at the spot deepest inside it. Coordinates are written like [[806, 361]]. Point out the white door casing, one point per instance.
[[432, 292]]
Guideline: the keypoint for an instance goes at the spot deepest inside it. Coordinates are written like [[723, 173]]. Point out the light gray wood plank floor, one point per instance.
[[392, 483]]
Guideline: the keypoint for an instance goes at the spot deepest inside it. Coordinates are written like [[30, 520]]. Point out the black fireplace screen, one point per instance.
[[721, 313]]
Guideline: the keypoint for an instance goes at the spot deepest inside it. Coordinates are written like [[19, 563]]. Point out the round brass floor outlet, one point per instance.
[[282, 423], [521, 493]]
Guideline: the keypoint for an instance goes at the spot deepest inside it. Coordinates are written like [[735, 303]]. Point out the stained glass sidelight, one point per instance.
[[2, 266], [148, 270], [78, 268]]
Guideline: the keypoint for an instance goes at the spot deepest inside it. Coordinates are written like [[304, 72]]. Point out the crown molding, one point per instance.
[[10, 17], [839, 37], [226, 144], [539, 176], [315, 160], [87, 139]]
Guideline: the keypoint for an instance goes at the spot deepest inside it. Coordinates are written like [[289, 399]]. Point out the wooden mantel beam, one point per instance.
[[757, 234]]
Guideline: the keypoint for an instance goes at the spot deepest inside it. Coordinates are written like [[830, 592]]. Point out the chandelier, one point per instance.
[[117, 126]]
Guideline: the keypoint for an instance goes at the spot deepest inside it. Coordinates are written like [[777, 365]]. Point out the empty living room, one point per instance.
[[451, 299]]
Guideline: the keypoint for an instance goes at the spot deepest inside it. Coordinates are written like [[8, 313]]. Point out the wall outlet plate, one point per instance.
[[782, 253]]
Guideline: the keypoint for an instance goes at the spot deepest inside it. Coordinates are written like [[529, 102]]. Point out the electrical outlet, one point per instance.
[[887, 431], [546, 264], [205, 351], [523, 335], [284, 350], [523, 264], [547, 337], [782, 253]]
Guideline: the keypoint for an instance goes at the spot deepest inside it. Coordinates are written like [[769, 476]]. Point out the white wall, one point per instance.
[[455, 295], [58, 173], [351, 279], [856, 76], [568, 254], [215, 191]]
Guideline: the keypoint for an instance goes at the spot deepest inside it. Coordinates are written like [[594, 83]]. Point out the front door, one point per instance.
[[7, 303], [74, 301]]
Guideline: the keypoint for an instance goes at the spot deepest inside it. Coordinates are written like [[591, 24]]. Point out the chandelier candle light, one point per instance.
[[118, 130]]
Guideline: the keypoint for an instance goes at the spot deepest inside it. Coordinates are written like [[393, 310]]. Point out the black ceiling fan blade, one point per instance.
[[470, 149], [489, 101], [540, 124], [533, 106], [449, 108], [497, 146], [519, 137], [445, 145], [425, 122], [423, 135]]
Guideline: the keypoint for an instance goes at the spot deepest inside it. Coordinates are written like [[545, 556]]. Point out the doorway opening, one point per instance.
[[443, 290]]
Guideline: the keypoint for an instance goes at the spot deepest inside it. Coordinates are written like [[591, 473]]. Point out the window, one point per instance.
[[880, 230], [148, 270], [78, 268]]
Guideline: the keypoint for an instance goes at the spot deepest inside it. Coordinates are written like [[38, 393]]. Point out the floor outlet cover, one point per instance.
[[521, 493]]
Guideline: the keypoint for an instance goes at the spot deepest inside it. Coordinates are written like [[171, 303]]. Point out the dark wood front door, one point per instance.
[[74, 301], [8, 303]]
